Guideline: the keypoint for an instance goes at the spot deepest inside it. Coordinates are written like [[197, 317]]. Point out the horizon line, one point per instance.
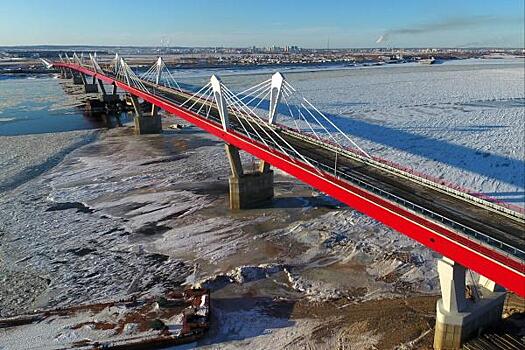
[[251, 46]]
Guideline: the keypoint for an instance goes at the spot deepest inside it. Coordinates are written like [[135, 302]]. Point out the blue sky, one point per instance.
[[307, 23]]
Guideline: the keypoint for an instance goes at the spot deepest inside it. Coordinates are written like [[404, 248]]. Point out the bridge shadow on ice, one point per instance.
[[455, 155], [509, 197]]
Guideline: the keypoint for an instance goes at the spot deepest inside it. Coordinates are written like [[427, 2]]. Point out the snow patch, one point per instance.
[[240, 275]]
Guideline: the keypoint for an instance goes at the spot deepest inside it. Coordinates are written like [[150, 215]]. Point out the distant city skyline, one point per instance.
[[233, 23]]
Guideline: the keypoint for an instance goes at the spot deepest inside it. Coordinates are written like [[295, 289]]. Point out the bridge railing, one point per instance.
[[391, 168], [498, 204], [469, 232]]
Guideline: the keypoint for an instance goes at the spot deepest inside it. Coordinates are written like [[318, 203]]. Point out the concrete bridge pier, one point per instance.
[[111, 101], [65, 73], [459, 318], [146, 123], [75, 76], [106, 103], [68, 73], [89, 88], [248, 190], [77, 80]]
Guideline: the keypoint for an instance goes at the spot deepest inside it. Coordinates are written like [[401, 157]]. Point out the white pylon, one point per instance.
[[159, 70], [275, 95], [220, 101], [96, 67], [117, 61], [77, 59], [126, 73]]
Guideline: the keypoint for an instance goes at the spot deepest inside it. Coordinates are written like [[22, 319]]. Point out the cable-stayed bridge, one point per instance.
[[469, 230]]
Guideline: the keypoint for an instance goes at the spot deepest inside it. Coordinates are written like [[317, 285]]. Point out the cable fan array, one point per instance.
[[127, 75], [297, 113], [249, 109], [77, 59], [241, 119], [160, 74], [67, 59], [114, 64]]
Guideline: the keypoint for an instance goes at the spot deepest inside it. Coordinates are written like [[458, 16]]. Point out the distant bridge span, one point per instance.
[[480, 235]]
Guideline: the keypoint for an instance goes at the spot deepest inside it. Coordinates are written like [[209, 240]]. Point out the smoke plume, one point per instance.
[[455, 23]]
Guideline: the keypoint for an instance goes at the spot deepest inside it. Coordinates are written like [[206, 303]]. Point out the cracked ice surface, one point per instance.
[[72, 228]]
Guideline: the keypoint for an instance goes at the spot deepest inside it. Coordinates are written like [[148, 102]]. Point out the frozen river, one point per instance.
[[462, 121], [89, 214]]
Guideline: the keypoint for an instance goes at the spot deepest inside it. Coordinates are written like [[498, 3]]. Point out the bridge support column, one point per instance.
[[67, 73], [77, 79], [459, 318], [148, 125], [101, 87], [248, 190], [105, 103], [88, 88], [80, 79], [145, 123], [110, 101]]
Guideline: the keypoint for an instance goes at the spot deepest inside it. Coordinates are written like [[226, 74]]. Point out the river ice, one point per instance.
[[128, 214], [461, 121]]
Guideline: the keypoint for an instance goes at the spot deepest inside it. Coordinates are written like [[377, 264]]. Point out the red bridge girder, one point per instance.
[[491, 263]]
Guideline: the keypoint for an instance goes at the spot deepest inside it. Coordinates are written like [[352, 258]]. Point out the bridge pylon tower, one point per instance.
[[145, 123], [89, 87], [247, 189], [158, 77]]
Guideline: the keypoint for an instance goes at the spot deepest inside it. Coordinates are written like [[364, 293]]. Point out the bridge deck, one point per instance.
[[487, 221], [480, 235]]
